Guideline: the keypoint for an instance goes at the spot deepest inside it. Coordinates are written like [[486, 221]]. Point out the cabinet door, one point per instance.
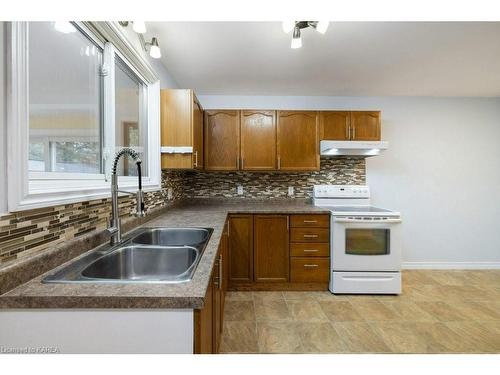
[[271, 253], [203, 325], [176, 126], [224, 268], [258, 140], [298, 140], [240, 231], [334, 125], [217, 305], [222, 140], [197, 134], [365, 126]]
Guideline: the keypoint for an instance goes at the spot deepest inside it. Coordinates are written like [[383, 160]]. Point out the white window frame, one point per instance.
[[41, 190]]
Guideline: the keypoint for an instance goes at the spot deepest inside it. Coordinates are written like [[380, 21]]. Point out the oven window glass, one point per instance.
[[367, 241]]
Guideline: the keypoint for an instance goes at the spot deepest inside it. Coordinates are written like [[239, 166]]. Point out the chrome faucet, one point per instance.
[[115, 222]]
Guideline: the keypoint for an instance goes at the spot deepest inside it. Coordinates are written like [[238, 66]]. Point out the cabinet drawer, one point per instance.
[[309, 270], [309, 235], [310, 249], [315, 221]]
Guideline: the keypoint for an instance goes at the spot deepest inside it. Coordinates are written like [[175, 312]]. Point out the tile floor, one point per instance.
[[438, 312]]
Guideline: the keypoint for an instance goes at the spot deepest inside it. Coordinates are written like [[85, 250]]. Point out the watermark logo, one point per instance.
[[29, 350]]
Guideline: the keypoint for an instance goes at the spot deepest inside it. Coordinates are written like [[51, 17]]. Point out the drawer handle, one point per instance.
[[310, 235], [310, 251], [310, 265], [310, 221]]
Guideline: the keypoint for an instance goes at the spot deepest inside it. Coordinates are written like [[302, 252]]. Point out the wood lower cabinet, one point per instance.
[[258, 140], [271, 250], [365, 126], [208, 321], [298, 140], [217, 303], [310, 270], [240, 238], [310, 249], [222, 140], [203, 325], [267, 253]]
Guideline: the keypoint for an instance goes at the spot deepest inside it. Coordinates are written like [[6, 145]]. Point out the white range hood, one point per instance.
[[353, 148]]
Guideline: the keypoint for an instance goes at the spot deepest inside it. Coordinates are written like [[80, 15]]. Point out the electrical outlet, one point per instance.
[[290, 191], [169, 194], [240, 190]]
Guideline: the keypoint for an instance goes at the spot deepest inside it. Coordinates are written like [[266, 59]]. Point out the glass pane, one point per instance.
[[76, 157], [367, 241], [65, 101], [130, 117]]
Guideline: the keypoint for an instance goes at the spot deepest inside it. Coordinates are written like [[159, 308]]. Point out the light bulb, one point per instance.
[[296, 40], [322, 26], [139, 27], [288, 26], [154, 50], [64, 27]]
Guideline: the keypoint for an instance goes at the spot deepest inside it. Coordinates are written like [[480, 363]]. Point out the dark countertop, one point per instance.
[[193, 213]]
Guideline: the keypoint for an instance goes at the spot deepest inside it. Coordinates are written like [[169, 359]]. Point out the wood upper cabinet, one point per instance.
[[197, 135], [258, 140], [181, 126], [222, 140], [335, 125], [350, 125], [240, 238], [365, 126], [271, 251], [298, 140]]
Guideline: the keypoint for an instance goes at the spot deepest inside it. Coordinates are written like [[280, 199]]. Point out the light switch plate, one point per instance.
[[169, 193], [240, 190], [290, 191]]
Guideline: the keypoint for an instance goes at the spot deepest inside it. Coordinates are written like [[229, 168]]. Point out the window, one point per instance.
[[76, 100], [130, 115], [65, 101]]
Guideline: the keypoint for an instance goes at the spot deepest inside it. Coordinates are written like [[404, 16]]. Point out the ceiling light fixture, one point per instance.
[[139, 27], [64, 27], [297, 26], [296, 39], [152, 47]]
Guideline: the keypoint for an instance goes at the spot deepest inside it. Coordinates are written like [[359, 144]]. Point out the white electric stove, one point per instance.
[[365, 242]]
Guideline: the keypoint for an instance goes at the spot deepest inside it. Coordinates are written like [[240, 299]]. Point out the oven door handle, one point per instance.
[[371, 221]]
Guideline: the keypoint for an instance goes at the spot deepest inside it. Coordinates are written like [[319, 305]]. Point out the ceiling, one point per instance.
[[351, 59]]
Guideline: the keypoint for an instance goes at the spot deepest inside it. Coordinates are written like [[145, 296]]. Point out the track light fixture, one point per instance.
[[297, 26]]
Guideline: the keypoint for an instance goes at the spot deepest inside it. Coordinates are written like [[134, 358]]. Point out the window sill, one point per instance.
[[57, 197]]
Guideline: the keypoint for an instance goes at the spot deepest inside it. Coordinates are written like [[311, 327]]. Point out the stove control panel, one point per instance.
[[341, 191]]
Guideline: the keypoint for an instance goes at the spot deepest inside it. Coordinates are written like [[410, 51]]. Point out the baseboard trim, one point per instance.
[[451, 265]]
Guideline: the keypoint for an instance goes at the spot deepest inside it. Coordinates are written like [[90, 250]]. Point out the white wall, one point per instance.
[[3, 120], [442, 171], [166, 79]]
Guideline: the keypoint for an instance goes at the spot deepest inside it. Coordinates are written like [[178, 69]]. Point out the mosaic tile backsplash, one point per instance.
[[261, 185], [25, 233]]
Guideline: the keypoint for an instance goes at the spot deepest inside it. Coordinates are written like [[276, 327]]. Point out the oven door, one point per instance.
[[366, 244]]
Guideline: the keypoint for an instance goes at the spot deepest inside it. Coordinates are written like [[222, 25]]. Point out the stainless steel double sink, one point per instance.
[[146, 255]]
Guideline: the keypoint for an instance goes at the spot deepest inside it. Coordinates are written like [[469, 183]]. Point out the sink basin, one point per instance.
[[146, 255], [171, 236], [144, 263]]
